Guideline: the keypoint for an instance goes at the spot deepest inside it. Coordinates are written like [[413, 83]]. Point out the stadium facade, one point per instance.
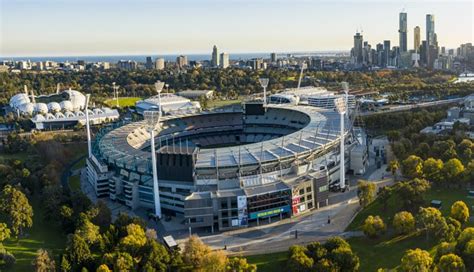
[[224, 169]]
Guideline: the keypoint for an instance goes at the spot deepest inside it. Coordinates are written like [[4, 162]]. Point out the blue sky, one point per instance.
[[106, 27]]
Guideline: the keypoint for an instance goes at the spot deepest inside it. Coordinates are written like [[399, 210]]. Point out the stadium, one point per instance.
[[224, 169]]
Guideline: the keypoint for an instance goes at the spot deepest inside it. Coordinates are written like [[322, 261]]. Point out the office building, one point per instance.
[[402, 32], [181, 61], [160, 64], [215, 57], [224, 61], [430, 30], [386, 51], [127, 65], [357, 50], [273, 57], [149, 63], [416, 39]]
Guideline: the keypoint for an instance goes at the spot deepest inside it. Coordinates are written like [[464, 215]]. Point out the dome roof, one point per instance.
[[38, 118], [18, 100], [66, 105], [54, 107], [77, 99], [26, 108], [41, 108]]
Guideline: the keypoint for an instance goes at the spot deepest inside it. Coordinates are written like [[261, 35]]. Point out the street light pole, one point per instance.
[[264, 84]]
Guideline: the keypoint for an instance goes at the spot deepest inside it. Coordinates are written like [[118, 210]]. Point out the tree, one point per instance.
[[215, 261], [104, 215], [65, 264], [236, 264], [194, 251], [451, 263], [366, 191], [14, 205], [412, 192], [4, 232], [103, 268], [43, 261], [384, 195], [432, 221], [156, 257], [442, 249], [465, 246], [298, 260], [135, 238], [77, 250], [460, 211], [432, 169], [452, 171], [88, 231], [413, 167], [393, 167], [416, 260], [404, 222], [373, 226]]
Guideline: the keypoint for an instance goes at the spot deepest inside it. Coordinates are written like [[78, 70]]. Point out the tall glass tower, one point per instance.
[[430, 29], [402, 32]]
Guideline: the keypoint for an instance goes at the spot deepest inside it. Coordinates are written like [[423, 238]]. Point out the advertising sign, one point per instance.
[[242, 210], [270, 212]]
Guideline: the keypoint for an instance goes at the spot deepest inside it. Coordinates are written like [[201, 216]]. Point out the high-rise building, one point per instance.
[[402, 32], [273, 57], [357, 50], [416, 38], [430, 29], [182, 61], [386, 53], [160, 64], [149, 63], [215, 57], [224, 60]]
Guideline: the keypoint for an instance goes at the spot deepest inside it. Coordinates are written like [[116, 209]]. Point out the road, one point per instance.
[[414, 106]]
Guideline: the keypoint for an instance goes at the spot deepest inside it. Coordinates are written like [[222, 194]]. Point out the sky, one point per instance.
[[123, 27]]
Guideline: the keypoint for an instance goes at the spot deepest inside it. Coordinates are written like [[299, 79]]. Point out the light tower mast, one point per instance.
[[341, 108], [264, 84], [89, 145]]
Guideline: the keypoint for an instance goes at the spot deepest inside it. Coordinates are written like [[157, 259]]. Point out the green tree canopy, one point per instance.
[[416, 260], [15, 206], [404, 222]]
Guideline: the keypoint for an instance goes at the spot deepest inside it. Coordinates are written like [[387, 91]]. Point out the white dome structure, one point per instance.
[[59, 115], [19, 99], [54, 107], [38, 118], [49, 116], [69, 114], [77, 99], [66, 105], [26, 108], [41, 108]]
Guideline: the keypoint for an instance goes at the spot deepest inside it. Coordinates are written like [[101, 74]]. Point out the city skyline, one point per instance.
[[153, 27]]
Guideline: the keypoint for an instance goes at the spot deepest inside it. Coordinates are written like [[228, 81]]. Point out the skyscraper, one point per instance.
[[160, 64], [215, 57], [402, 32], [149, 63], [357, 50], [273, 57], [224, 60], [417, 39], [386, 53], [182, 61], [430, 29]]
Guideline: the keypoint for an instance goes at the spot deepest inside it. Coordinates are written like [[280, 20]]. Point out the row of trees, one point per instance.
[[334, 255]]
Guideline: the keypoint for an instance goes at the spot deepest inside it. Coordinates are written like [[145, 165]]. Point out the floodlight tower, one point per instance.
[[264, 84], [341, 109], [159, 87], [116, 93], [152, 119], [89, 146], [345, 87]]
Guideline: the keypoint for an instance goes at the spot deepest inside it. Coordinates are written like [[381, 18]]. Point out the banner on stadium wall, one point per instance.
[[270, 212], [242, 211]]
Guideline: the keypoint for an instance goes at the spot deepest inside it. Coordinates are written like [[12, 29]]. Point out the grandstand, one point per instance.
[[224, 169]]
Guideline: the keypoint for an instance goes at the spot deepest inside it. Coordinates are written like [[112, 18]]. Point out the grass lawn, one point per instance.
[[271, 262], [221, 103], [123, 101], [79, 164], [75, 183], [41, 235], [386, 252], [22, 156]]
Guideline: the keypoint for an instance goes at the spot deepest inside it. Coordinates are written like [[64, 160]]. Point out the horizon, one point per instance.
[[236, 27]]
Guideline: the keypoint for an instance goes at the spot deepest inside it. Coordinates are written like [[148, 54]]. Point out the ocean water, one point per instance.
[[142, 58]]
